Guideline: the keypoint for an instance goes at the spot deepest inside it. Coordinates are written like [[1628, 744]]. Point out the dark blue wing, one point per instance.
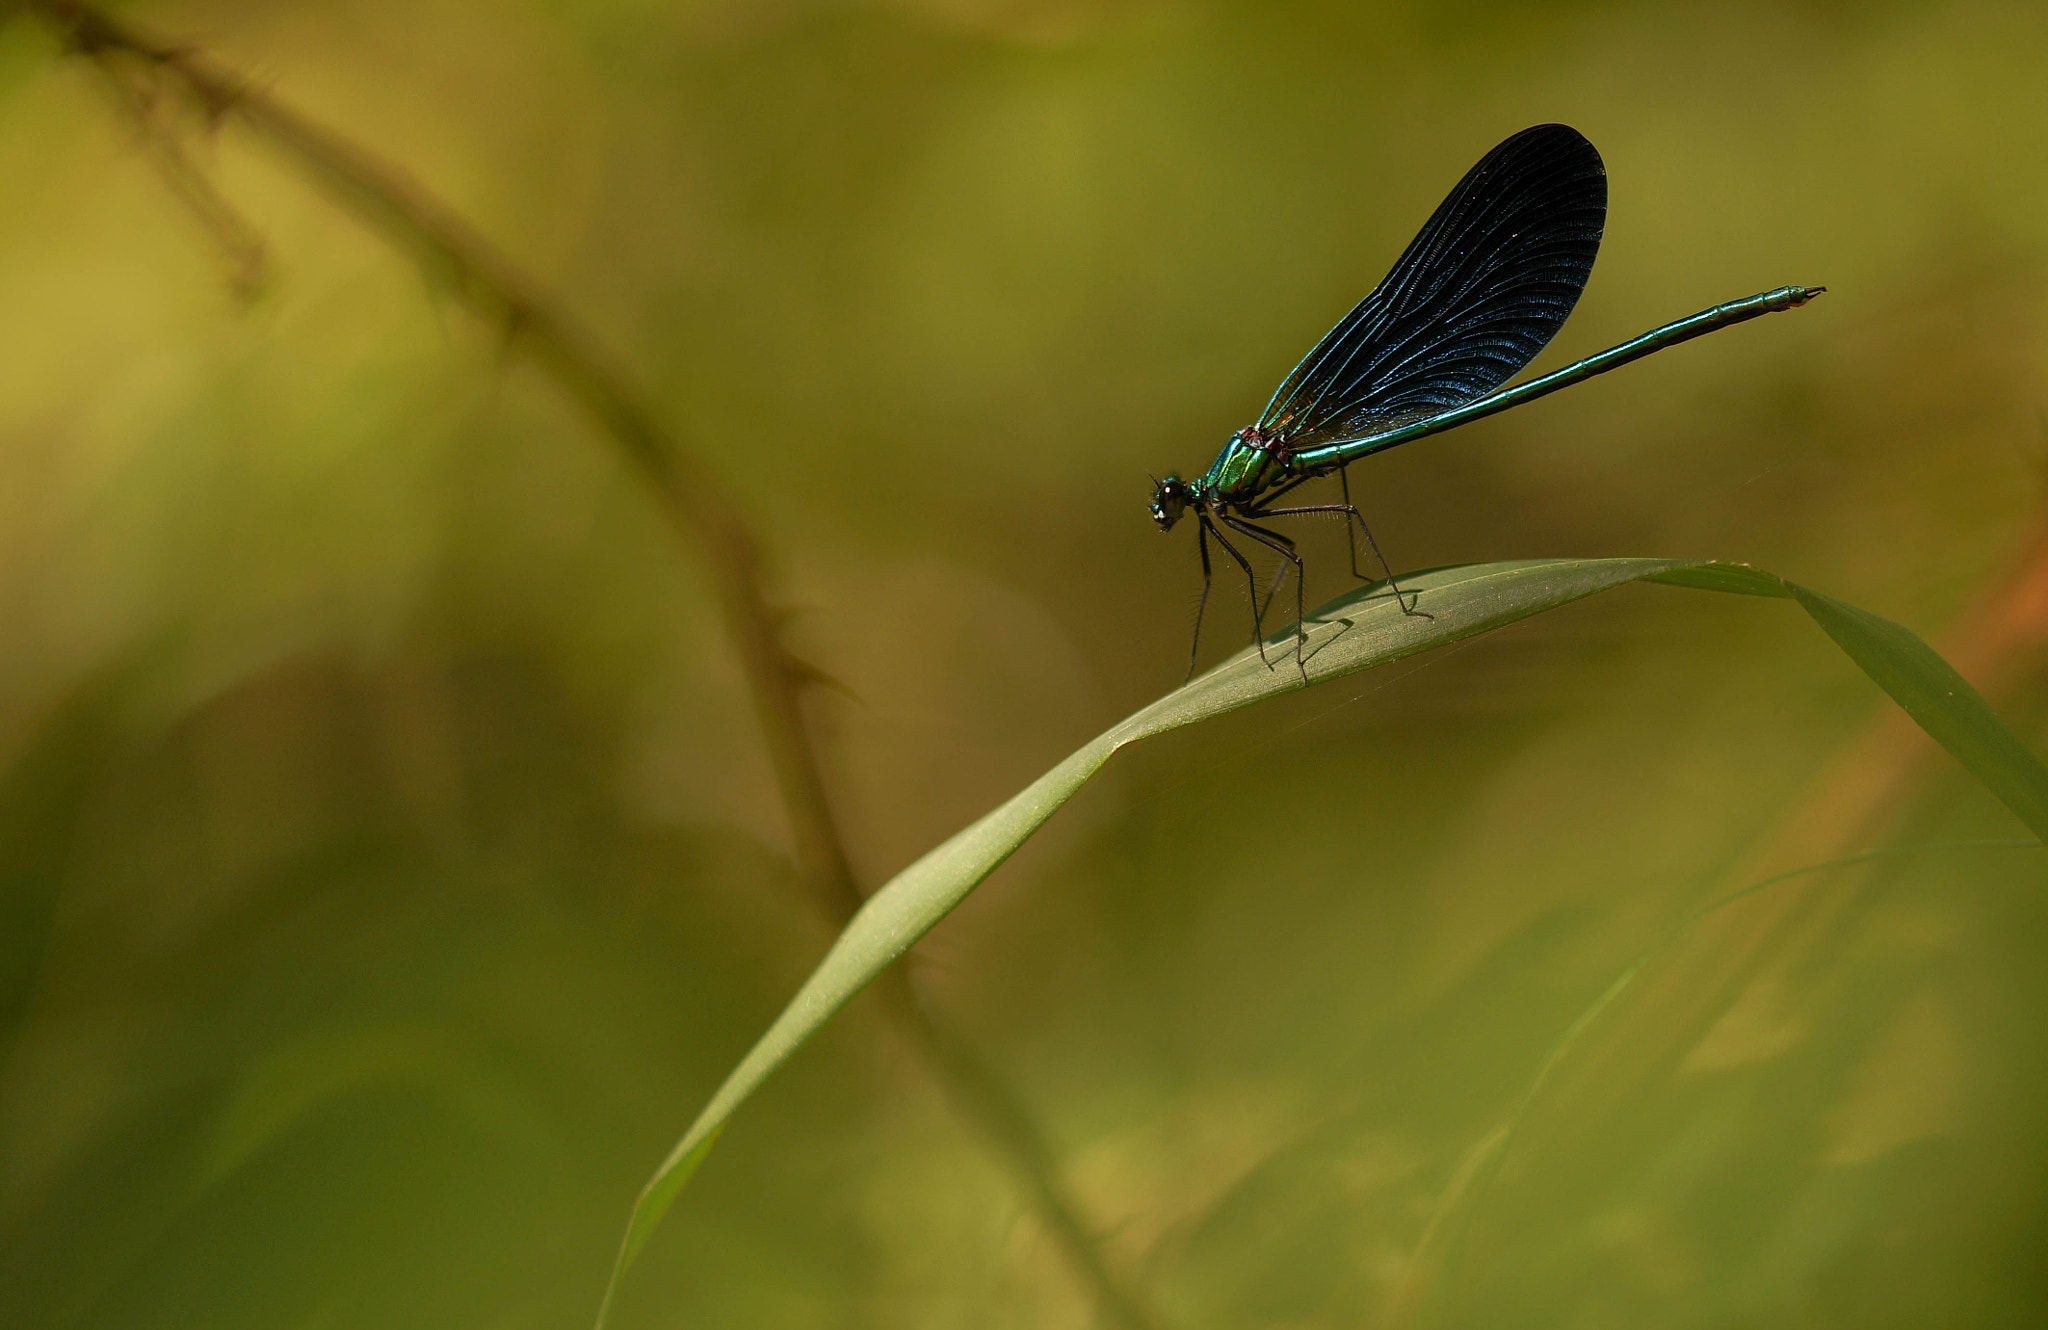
[[1480, 290]]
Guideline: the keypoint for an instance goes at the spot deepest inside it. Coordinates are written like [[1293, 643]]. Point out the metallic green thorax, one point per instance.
[[1245, 468]]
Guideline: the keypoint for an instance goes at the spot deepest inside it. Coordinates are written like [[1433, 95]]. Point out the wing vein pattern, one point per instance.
[[1481, 289]]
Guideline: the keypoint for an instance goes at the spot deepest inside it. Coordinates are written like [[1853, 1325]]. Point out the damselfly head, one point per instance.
[[1169, 497]]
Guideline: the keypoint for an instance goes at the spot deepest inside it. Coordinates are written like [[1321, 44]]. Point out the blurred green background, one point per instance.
[[389, 867]]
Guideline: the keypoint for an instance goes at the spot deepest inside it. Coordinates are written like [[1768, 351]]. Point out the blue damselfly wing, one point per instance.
[[1478, 293]]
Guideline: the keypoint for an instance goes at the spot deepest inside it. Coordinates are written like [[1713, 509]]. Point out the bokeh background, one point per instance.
[[391, 867]]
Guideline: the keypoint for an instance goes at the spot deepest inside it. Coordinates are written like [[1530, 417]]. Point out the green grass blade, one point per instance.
[[1944, 704], [1352, 633], [1926, 687]]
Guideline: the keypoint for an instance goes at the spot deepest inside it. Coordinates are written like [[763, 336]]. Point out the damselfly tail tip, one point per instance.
[[1787, 297]]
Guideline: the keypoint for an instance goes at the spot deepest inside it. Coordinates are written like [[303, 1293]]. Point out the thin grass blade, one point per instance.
[[1352, 633]]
